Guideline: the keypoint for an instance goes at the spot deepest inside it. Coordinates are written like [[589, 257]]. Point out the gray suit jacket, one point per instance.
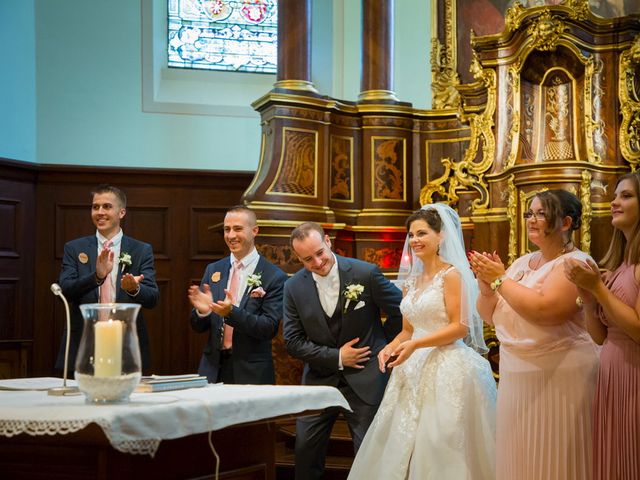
[[307, 335]]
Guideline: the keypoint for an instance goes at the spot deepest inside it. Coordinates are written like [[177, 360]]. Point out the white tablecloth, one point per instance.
[[140, 425]]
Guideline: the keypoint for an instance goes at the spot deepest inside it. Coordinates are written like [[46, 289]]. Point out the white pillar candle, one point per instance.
[[107, 360]]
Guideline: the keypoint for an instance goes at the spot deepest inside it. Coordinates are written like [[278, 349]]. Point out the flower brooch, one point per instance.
[[352, 293]]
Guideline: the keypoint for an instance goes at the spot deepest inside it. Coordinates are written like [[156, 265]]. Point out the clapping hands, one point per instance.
[[487, 267], [200, 299], [104, 263], [586, 276], [131, 283]]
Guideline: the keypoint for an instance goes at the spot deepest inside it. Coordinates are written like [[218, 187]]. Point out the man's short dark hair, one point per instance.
[[106, 188], [253, 219], [303, 230]]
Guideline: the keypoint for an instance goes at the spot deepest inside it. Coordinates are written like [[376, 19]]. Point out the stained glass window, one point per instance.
[[230, 35]]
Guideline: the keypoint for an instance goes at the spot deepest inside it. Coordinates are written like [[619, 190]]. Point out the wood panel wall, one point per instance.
[[42, 207]]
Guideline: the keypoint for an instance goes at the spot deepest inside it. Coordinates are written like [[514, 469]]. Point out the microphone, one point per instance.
[[64, 390]]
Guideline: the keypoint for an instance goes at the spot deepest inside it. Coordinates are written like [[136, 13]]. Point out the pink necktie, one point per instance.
[[227, 335], [105, 288]]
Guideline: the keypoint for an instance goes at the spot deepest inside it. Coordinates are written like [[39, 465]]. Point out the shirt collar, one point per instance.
[[332, 278], [247, 260], [115, 240]]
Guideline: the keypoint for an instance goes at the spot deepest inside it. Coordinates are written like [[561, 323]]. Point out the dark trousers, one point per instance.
[[313, 433], [223, 372]]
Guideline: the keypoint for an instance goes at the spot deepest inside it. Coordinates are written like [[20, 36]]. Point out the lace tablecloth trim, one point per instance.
[[10, 428]]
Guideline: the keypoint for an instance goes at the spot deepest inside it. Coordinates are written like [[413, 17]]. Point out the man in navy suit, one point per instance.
[[122, 272], [239, 302], [332, 322]]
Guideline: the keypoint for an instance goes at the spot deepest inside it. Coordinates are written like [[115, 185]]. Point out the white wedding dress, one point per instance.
[[437, 418]]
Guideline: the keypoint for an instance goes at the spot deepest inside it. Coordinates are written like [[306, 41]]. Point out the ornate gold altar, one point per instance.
[[553, 101]]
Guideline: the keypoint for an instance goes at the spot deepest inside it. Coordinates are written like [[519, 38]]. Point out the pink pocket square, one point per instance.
[[258, 292]]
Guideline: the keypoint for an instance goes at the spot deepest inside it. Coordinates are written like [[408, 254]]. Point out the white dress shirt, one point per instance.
[[329, 293], [328, 288], [249, 263], [116, 241]]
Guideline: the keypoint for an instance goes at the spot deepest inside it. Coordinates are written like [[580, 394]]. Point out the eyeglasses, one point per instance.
[[536, 215]]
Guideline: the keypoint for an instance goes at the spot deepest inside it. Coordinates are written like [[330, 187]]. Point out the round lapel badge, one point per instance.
[[83, 257]]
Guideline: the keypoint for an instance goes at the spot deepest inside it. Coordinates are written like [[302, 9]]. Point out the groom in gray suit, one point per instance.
[[332, 322]]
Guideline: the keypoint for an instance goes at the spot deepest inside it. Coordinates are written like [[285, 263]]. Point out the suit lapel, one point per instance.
[[218, 293], [125, 246], [259, 269], [92, 254], [310, 296], [346, 278]]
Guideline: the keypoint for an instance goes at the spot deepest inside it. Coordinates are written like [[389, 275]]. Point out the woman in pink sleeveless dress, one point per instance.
[[548, 362], [613, 320]]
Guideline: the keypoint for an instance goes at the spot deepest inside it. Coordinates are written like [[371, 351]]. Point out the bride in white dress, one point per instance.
[[437, 418]]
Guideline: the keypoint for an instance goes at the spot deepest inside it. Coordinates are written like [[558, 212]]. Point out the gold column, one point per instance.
[[377, 51], [294, 45]]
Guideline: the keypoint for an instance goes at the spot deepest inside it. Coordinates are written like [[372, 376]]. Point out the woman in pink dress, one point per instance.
[[548, 362], [613, 320]]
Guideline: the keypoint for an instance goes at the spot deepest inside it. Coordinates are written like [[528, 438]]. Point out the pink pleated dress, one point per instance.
[[616, 409], [547, 382]]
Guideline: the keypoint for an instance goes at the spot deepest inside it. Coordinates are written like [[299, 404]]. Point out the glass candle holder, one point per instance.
[[108, 366]]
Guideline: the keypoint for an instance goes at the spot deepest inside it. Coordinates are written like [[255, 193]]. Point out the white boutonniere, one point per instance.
[[254, 280], [352, 293], [125, 260]]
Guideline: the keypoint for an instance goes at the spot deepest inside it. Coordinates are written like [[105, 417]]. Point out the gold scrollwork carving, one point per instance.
[[578, 9], [628, 91], [444, 69], [514, 131], [594, 125], [468, 173], [585, 199], [513, 17], [546, 31], [437, 186], [444, 77], [512, 215]]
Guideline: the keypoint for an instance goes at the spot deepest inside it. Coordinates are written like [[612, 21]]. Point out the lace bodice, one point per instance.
[[424, 306]]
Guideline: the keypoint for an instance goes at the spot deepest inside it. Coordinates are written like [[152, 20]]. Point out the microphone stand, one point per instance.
[[64, 389]]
